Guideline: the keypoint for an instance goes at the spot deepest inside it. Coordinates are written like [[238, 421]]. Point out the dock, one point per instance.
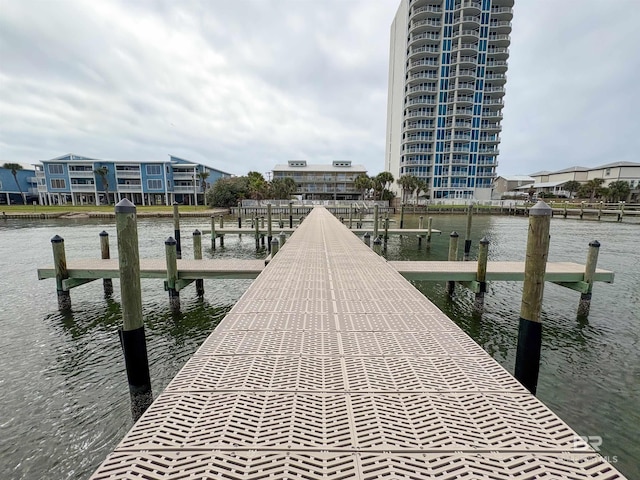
[[333, 366]]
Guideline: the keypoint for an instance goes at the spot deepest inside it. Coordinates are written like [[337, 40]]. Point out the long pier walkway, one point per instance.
[[333, 366]]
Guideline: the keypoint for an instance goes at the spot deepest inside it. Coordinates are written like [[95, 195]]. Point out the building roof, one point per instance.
[[617, 164], [319, 168], [543, 185], [541, 172], [573, 169], [517, 178]]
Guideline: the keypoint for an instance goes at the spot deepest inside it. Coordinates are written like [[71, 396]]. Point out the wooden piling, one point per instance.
[[589, 271], [377, 245], [600, 209], [280, 223], [290, 214], [564, 213], [269, 236], [176, 229], [239, 214], [375, 221], [453, 256], [429, 229], [197, 255], [621, 212], [421, 222], [351, 216], [274, 246], [402, 216], [581, 209], [367, 239], [132, 337], [386, 229], [481, 274], [107, 283], [213, 233], [221, 221], [256, 227], [530, 326], [60, 266], [467, 235], [283, 239], [360, 217], [172, 273]]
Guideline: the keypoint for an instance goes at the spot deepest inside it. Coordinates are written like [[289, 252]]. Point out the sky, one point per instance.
[[247, 84]]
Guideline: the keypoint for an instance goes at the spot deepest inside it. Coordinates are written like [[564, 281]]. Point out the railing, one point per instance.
[[474, 33], [498, 37], [129, 188], [424, 49], [420, 23], [422, 88], [421, 101], [426, 8], [128, 173]]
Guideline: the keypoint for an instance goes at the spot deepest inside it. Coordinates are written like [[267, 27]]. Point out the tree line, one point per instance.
[[594, 190]]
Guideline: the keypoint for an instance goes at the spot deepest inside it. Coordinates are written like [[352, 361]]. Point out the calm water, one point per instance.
[[64, 397]]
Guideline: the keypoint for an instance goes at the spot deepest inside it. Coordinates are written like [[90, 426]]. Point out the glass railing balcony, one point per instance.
[[462, 99], [424, 36], [485, 174], [495, 76], [466, 18], [468, 4], [496, 10], [424, 49], [419, 138], [497, 63], [422, 88], [419, 114], [490, 126], [428, 23], [134, 187], [498, 23], [467, 33], [127, 173], [464, 86], [493, 89], [419, 75], [424, 61], [497, 50], [465, 73], [494, 38], [465, 46], [426, 8], [411, 149], [497, 101], [465, 59], [491, 114], [421, 101]]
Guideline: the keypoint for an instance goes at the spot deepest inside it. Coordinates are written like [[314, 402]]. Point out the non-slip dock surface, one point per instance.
[[333, 366]]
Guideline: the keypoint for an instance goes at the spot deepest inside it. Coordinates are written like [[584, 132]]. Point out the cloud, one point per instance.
[[245, 85]]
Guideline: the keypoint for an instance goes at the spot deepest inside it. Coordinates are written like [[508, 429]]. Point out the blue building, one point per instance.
[[76, 180], [24, 191]]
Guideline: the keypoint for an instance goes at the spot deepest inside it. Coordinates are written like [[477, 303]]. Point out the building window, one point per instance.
[[154, 170], [607, 171], [58, 183], [56, 169], [154, 184]]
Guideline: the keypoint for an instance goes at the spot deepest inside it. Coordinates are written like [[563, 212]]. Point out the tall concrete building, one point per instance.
[[447, 74]]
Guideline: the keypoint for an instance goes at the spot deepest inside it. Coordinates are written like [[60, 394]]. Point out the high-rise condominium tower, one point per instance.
[[447, 72]]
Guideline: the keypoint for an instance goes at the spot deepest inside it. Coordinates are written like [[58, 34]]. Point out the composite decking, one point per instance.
[[333, 366]]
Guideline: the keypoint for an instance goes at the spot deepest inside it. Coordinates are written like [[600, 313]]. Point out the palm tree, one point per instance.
[[571, 186], [421, 186], [408, 184], [103, 173], [619, 190], [383, 180], [203, 177], [15, 168], [592, 188], [363, 183]]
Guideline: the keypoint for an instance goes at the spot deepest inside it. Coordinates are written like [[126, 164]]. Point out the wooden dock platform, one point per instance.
[[333, 366]]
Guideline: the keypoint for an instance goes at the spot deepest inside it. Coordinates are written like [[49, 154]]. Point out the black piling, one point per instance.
[[530, 327], [107, 283], [132, 336]]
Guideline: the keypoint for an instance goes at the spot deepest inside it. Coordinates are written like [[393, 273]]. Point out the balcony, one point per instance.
[[465, 73], [422, 101], [413, 149], [459, 125], [424, 36], [419, 113], [421, 11], [177, 175], [497, 64], [458, 136], [465, 46], [491, 114], [127, 173], [493, 89], [419, 137], [501, 11], [81, 173], [422, 76], [497, 51], [485, 174], [422, 88], [501, 40], [464, 86], [490, 126], [424, 49], [462, 99], [436, 24], [83, 187], [468, 4], [466, 33], [123, 187], [467, 19], [424, 62]]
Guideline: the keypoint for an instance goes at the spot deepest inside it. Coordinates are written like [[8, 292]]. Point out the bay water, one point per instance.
[[64, 401]]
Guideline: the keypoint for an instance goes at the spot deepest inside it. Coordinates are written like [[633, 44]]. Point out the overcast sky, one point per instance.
[[245, 84]]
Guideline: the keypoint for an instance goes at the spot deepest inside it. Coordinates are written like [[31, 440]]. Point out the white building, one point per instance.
[[447, 72]]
